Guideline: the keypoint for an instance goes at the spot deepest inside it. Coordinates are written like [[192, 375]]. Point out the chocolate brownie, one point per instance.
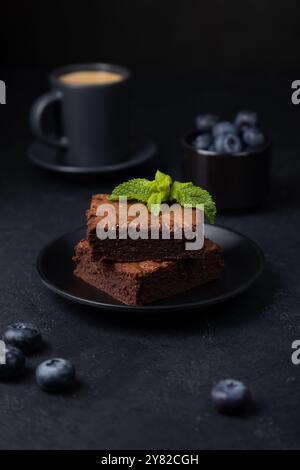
[[128, 250], [140, 283]]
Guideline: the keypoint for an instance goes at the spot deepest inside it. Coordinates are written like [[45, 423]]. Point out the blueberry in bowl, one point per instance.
[[253, 137], [231, 160], [202, 141], [228, 143], [245, 119], [205, 122], [223, 128]]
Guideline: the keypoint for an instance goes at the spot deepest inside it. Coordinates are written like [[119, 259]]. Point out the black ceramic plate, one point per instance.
[[52, 159], [244, 263]]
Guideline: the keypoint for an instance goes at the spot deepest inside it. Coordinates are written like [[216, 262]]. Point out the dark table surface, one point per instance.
[[144, 381]]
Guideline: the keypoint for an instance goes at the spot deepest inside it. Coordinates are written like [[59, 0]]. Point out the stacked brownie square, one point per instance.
[[138, 272]]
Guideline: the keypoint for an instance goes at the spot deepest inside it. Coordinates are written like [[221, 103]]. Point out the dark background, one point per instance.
[[144, 382], [151, 34]]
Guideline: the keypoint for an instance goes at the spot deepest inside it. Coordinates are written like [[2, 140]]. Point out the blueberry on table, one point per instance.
[[253, 137], [202, 142], [25, 336], [230, 396], [55, 375], [224, 127], [228, 143], [14, 363], [246, 119], [205, 122]]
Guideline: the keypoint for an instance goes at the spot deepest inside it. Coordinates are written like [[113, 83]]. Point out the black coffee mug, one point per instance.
[[95, 117]]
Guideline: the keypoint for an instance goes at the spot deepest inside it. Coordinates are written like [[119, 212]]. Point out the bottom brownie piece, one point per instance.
[[146, 281]]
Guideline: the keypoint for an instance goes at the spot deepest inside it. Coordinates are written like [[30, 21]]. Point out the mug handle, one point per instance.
[[35, 119]]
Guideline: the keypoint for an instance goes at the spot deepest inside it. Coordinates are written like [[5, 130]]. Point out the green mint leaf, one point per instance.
[[163, 183], [161, 189], [137, 188], [154, 203], [189, 194]]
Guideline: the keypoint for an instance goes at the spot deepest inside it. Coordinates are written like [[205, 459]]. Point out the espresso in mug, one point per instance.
[[91, 77]]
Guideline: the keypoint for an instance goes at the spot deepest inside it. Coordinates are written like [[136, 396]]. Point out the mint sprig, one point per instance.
[[163, 189]]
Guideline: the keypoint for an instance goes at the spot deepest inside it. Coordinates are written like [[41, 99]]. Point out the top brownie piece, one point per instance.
[[128, 250]]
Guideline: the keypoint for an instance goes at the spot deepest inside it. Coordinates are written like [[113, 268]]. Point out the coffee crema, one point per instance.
[[91, 77]]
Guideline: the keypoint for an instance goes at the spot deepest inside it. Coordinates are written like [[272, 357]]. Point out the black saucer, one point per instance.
[[244, 262], [52, 159]]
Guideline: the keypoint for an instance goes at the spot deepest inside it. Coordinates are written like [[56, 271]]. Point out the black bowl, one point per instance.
[[236, 181]]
